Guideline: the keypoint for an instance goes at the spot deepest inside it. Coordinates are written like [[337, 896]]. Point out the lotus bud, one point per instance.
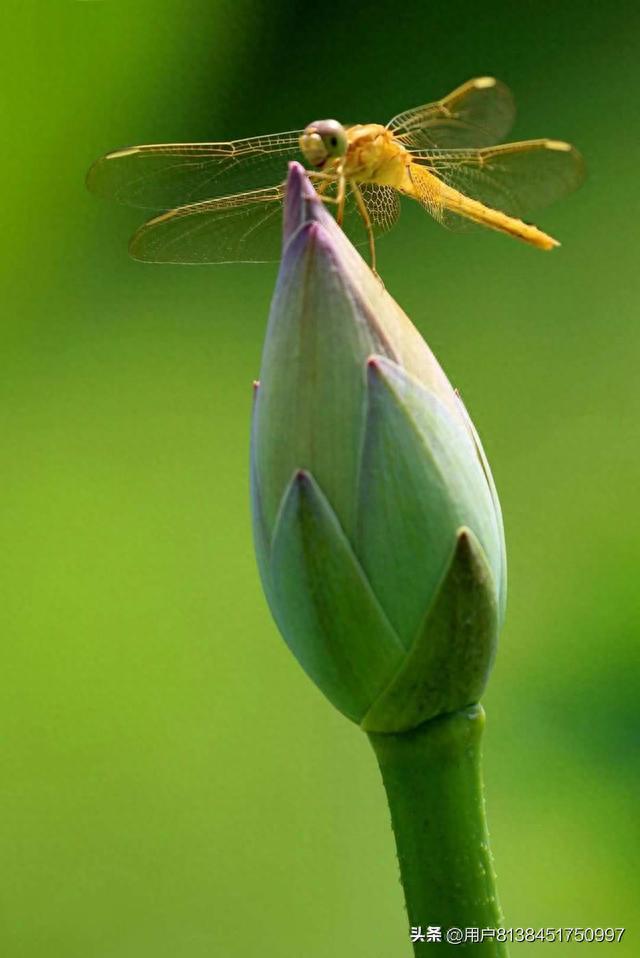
[[377, 527]]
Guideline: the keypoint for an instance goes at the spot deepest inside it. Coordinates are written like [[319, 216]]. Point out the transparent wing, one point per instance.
[[516, 178], [383, 207], [478, 113], [246, 228], [166, 175]]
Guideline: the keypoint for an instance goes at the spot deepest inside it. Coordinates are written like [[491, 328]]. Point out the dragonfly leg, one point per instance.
[[320, 190], [319, 175], [342, 184], [339, 198], [364, 213], [327, 181]]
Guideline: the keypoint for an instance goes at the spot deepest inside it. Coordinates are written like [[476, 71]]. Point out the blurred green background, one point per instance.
[[172, 784]]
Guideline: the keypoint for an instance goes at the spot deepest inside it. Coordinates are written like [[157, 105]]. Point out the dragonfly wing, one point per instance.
[[383, 207], [476, 114], [246, 228], [516, 178], [167, 175]]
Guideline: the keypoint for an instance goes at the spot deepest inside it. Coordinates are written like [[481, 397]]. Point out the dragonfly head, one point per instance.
[[322, 141]]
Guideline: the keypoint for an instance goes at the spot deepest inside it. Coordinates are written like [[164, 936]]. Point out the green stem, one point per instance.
[[433, 782]]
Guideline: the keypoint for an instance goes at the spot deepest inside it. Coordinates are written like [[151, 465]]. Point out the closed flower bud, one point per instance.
[[377, 527]]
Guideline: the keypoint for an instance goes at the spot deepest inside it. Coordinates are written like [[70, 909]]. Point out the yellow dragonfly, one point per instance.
[[222, 201]]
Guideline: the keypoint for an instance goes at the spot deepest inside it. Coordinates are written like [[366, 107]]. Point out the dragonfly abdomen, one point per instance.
[[437, 198]]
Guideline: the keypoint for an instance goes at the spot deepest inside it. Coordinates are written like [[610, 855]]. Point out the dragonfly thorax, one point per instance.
[[375, 156]]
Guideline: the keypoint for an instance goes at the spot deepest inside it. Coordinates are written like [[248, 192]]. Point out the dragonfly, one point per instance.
[[222, 202]]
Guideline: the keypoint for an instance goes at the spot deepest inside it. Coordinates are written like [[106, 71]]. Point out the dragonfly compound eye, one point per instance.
[[322, 141]]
